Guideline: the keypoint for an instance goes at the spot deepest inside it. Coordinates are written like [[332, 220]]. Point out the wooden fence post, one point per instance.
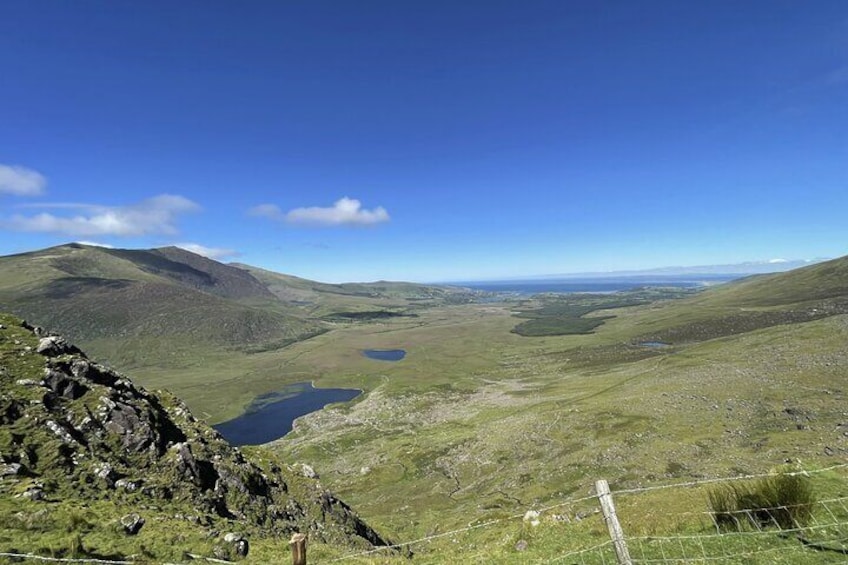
[[615, 531], [298, 545]]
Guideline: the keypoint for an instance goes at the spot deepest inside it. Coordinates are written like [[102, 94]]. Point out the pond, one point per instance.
[[654, 344], [272, 415], [384, 354]]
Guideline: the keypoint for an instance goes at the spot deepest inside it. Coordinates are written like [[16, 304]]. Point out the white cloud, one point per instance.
[[346, 211], [210, 252], [155, 215], [21, 181], [775, 261]]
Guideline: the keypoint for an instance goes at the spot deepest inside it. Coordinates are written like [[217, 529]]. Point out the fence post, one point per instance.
[[615, 531], [298, 545]]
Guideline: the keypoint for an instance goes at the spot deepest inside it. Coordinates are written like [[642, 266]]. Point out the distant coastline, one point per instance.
[[595, 284]]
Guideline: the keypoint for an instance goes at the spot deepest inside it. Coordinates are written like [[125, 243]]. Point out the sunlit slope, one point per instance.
[[757, 302], [478, 423], [166, 295], [324, 299]]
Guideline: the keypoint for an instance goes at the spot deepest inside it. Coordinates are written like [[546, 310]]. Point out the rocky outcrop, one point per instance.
[[76, 428]]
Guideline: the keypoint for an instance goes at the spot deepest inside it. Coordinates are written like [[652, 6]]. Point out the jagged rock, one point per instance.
[[242, 548], [34, 493], [93, 372], [63, 385], [132, 523], [102, 426], [10, 410], [10, 469], [239, 544], [37, 330], [105, 471], [126, 421], [307, 471], [28, 382], [54, 345], [63, 434], [129, 485]]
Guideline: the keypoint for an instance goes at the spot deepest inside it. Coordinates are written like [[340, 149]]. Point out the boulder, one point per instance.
[[63, 385], [10, 469], [132, 523], [238, 543], [54, 345]]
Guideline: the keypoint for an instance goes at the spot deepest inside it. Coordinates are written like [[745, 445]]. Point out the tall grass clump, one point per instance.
[[785, 501]]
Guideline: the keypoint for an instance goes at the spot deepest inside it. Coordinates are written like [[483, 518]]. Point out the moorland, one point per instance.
[[498, 407]]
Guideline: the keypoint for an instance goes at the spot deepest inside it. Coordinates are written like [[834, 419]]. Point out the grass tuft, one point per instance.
[[785, 501]]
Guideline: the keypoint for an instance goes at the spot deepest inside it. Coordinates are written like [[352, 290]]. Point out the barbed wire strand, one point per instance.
[[569, 502], [728, 479]]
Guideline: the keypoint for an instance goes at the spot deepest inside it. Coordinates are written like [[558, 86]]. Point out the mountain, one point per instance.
[[91, 458], [88, 292], [173, 295], [810, 293], [327, 299]]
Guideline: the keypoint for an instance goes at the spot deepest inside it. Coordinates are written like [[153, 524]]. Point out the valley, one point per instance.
[[477, 424]]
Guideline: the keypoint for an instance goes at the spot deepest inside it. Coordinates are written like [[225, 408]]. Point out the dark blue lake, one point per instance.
[[384, 354], [272, 415]]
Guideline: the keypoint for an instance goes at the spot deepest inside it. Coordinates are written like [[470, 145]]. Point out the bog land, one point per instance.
[[501, 407]]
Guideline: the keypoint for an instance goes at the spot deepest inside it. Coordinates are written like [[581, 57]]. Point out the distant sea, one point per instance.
[[594, 285]]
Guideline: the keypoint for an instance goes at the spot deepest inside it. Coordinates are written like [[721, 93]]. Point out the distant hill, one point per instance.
[[91, 292], [123, 304], [802, 295], [324, 298]]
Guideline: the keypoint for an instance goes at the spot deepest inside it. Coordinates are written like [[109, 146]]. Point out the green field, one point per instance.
[[479, 424]]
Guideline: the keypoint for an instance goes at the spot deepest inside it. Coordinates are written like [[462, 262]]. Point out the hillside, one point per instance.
[[479, 423], [92, 465], [326, 299], [174, 296], [761, 301]]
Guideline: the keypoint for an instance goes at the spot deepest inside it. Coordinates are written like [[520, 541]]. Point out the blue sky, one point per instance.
[[428, 140]]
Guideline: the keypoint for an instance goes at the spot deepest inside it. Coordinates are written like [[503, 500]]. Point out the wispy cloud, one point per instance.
[[21, 181], [210, 252], [270, 211], [155, 215], [96, 244], [345, 212]]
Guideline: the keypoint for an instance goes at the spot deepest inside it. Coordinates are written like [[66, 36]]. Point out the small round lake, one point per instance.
[[272, 415], [384, 354]]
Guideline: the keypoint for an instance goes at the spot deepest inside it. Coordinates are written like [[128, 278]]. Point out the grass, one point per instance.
[[478, 423], [784, 500]]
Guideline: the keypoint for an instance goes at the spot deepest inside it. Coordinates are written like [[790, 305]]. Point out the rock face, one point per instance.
[[88, 430]]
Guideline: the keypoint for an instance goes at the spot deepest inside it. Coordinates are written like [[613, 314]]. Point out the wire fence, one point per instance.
[[695, 537], [574, 531]]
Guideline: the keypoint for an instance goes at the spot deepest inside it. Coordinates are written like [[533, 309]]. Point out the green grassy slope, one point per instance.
[[178, 299], [477, 423], [322, 299]]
